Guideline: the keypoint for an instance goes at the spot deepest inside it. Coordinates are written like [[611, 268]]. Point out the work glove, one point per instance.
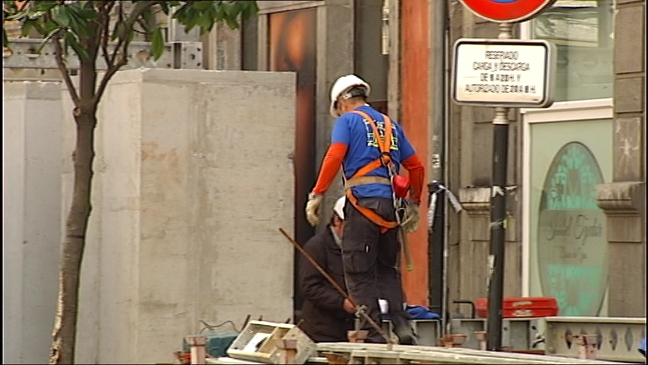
[[312, 208], [411, 218]]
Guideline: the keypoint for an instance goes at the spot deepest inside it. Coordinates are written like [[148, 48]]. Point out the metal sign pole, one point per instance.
[[504, 74], [498, 218]]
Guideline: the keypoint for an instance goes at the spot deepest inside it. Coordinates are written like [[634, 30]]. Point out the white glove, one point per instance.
[[411, 218], [312, 208]]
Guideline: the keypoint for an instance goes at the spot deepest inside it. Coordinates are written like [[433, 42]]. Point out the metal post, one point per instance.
[[498, 218], [439, 92], [436, 239]]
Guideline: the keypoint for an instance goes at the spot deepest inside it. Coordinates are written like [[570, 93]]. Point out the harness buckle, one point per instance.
[[385, 159]]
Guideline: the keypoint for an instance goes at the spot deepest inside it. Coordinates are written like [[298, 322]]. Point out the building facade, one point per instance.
[[576, 170]]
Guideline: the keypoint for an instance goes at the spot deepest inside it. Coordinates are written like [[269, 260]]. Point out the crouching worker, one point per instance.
[[327, 315]]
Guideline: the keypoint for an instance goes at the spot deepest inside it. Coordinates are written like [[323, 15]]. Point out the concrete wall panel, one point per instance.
[[192, 185], [32, 225]]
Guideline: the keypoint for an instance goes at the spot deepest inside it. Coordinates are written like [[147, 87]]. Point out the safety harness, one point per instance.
[[361, 178]]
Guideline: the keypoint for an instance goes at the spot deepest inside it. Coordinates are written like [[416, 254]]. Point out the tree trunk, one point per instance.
[[64, 334]]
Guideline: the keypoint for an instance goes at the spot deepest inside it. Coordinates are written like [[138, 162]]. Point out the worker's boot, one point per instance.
[[403, 330]]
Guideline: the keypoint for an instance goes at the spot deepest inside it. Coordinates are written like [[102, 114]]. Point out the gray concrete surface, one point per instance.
[[31, 207], [193, 180]]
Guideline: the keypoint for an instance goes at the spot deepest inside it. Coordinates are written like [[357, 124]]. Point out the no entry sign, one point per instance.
[[507, 11]]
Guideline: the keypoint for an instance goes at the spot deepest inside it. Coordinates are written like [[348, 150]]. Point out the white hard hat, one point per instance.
[[342, 85], [338, 208]]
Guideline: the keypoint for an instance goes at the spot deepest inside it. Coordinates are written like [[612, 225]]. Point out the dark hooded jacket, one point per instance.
[[323, 316]]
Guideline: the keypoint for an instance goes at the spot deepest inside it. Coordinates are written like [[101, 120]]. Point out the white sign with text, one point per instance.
[[511, 73]]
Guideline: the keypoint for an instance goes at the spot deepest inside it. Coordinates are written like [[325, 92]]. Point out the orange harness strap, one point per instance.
[[384, 144]]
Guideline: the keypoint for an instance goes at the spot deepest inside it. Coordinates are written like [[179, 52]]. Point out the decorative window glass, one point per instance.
[[583, 32]]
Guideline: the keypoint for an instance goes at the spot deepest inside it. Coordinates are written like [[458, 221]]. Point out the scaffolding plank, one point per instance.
[[359, 351], [618, 337]]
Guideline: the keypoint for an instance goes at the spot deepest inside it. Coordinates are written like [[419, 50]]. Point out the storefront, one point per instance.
[[567, 153]]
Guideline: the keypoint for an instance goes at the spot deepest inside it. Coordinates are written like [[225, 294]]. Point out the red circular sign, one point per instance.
[[507, 11]]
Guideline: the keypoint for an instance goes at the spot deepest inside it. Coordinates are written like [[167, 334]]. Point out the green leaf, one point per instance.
[[224, 9], [27, 27], [79, 26], [87, 14], [202, 5], [118, 30], [181, 13], [60, 15], [5, 39], [164, 5], [205, 22], [236, 8], [74, 43], [17, 16], [191, 22], [157, 44], [47, 38], [206, 13], [250, 9], [49, 27], [44, 6], [232, 23]]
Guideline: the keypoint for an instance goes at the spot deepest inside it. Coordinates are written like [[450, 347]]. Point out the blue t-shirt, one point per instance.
[[352, 130]]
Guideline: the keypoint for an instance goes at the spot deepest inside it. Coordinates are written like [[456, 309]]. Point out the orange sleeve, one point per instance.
[[416, 176], [330, 167]]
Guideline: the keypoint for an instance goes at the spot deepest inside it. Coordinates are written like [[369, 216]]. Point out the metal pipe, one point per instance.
[[498, 218], [437, 242], [436, 197], [445, 320], [359, 309]]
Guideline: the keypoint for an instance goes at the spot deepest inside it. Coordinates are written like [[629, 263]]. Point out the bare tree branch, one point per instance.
[[60, 62], [96, 25], [23, 5], [106, 78], [123, 43], [121, 39], [140, 32], [105, 38]]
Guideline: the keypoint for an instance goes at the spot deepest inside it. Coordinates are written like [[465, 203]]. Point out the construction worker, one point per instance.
[[327, 315], [371, 148]]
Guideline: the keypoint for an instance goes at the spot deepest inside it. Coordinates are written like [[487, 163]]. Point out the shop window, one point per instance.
[[583, 32]]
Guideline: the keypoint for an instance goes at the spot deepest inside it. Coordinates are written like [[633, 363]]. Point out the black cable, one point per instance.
[[210, 327]]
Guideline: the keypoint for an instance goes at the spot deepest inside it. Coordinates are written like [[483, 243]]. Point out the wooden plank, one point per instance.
[[448, 358], [422, 353]]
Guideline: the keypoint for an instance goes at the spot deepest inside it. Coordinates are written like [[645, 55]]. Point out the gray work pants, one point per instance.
[[371, 260]]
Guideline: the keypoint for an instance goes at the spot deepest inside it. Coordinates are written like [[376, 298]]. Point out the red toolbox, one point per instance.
[[525, 307]]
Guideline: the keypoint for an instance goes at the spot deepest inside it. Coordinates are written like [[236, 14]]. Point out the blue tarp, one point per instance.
[[420, 312], [642, 346], [417, 312]]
